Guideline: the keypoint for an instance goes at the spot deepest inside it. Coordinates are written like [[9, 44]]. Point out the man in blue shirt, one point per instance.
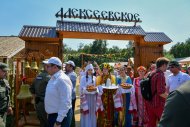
[[69, 68]]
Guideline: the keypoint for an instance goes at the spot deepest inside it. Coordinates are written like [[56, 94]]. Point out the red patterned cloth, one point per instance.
[[111, 100], [139, 118], [118, 100], [83, 104], [133, 104], [99, 104]]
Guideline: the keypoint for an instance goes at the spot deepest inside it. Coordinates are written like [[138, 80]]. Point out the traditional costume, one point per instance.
[[124, 118], [141, 114], [110, 99], [88, 100]]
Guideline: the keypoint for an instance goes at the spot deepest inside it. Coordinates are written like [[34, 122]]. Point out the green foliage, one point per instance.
[[98, 47], [181, 49], [114, 54], [168, 55]]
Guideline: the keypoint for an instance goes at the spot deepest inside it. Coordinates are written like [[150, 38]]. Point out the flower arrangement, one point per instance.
[[106, 65], [105, 77]]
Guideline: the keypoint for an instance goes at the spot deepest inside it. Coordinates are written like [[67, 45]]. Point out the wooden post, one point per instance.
[[60, 53], [16, 89], [137, 60]]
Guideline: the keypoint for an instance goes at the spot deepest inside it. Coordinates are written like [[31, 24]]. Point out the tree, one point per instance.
[[168, 55], [80, 48], [67, 49], [114, 49], [130, 44], [99, 47], [181, 49]]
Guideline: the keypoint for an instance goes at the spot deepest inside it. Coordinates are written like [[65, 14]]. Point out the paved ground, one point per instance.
[[32, 118], [77, 112], [77, 108], [33, 121]]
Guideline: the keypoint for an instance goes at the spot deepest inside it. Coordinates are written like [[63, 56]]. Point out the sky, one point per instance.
[[169, 16]]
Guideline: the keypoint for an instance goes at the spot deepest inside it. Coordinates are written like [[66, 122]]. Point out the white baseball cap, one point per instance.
[[55, 60], [70, 62], [45, 61]]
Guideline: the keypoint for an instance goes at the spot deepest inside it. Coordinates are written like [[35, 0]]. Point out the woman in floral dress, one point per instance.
[[106, 118], [139, 99]]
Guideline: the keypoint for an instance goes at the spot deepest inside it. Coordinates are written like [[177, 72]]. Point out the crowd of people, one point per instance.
[[121, 105]]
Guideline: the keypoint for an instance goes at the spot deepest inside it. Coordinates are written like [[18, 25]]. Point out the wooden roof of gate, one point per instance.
[[47, 33], [85, 30]]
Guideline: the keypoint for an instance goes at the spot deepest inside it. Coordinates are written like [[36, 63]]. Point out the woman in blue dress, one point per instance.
[[123, 118]]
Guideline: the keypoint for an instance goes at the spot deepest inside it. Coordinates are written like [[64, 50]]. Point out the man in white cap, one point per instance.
[[69, 68], [58, 95], [38, 89]]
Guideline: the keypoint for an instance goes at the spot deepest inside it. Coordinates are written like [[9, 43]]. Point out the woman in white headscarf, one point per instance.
[[88, 98]]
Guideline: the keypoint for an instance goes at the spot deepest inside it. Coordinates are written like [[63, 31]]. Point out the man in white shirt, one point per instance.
[[177, 77], [58, 95], [167, 73]]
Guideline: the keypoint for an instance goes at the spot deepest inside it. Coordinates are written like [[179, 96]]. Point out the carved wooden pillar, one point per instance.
[[137, 59], [60, 53], [149, 52], [16, 89]]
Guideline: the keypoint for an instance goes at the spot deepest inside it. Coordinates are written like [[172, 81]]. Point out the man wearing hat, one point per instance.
[[69, 68], [4, 95], [177, 77], [58, 95], [38, 89]]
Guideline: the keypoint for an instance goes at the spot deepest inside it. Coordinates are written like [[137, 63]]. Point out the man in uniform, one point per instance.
[[38, 88], [4, 95]]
